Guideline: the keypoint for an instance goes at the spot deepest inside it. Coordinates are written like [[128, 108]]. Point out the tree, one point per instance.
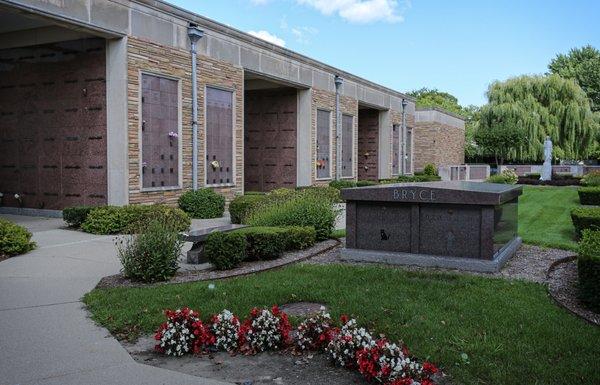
[[538, 106], [583, 66], [500, 139], [431, 97]]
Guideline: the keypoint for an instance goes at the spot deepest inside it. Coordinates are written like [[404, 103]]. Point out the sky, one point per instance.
[[458, 47]]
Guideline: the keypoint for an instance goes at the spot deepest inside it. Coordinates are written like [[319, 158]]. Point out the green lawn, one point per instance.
[[545, 216], [511, 331]]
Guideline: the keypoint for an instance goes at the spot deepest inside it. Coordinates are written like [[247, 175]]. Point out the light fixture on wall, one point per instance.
[[194, 34]]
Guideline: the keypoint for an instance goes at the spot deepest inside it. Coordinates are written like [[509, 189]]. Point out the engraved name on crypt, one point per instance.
[[421, 195]]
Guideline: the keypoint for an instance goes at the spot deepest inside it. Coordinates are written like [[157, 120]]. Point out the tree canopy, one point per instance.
[[583, 66], [533, 107]]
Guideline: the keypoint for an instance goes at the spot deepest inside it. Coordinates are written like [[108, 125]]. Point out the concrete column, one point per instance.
[[303, 139], [385, 145], [116, 122]]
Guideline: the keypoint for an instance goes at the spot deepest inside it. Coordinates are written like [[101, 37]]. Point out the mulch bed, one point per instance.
[[118, 280], [562, 285]]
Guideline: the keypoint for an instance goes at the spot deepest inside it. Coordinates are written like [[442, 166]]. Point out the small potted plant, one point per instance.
[[19, 199]]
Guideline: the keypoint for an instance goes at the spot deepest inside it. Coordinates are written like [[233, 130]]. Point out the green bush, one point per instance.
[[589, 195], [342, 183], [300, 210], [414, 178], [151, 255], [203, 203], [264, 242], [241, 206], [430, 169], [591, 179], [365, 183], [533, 175], [76, 215], [505, 177], [585, 218], [14, 239], [588, 269], [128, 219], [299, 237], [225, 250], [328, 193]]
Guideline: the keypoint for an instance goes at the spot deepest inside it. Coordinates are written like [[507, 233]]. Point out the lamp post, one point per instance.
[[194, 34], [338, 128], [403, 165]]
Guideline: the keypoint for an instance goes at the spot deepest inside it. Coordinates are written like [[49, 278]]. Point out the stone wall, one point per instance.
[[145, 56], [439, 138], [325, 100]]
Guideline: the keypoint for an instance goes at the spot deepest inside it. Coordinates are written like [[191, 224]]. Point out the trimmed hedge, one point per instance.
[[129, 219], [268, 242], [328, 193], [585, 218], [14, 239], [225, 250], [264, 242], [299, 210], [76, 215], [588, 269], [241, 206], [589, 195], [202, 204]]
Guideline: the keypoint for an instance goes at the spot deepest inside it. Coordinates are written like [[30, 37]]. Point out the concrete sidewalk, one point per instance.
[[46, 336]]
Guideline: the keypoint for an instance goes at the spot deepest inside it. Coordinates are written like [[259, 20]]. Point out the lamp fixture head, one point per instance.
[[404, 103], [338, 81], [194, 33]]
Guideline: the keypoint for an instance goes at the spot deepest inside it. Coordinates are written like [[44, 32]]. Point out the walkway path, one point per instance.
[[46, 336]]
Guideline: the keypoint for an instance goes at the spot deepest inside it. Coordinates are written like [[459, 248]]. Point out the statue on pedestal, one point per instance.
[[546, 173]]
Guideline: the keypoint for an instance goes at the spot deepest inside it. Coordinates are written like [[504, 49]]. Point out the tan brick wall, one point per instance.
[[439, 144], [163, 60], [326, 100]]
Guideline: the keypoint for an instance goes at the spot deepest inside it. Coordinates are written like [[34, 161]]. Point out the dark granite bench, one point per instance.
[[196, 253]]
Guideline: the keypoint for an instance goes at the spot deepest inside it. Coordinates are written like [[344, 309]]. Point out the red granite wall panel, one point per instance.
[[368, 143]]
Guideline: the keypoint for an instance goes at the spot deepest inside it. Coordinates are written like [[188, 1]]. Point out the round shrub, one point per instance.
[[241, 206], [430, 169], [301, 210], [225, 250], [76, 215], [132, 218], [591, 179], [202, 204], [505, 177], [588, 269], [328, 193], [14, 239], [151, 255]]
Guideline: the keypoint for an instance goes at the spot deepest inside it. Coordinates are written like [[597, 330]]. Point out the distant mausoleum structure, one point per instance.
[[106, 102], [455, 225]]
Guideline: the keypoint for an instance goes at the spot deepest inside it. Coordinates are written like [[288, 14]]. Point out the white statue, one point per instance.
[[547, 166]]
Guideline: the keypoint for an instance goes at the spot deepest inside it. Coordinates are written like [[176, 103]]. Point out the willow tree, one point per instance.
[[536, 107]]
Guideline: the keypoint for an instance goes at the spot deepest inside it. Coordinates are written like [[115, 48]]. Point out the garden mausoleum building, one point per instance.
[[97, 107]]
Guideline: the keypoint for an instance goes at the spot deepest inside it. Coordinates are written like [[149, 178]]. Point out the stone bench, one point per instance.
[[198, 237]]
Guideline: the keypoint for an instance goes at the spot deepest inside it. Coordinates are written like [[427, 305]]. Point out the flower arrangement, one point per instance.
[[225, 330], [266, 330], [173, 135], [388, 363], [315, 332], [347, 341], [182, 333], [19, 199], [350, 346]]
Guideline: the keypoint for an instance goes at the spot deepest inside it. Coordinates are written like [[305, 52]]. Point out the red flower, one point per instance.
[[275, 310], [430, 368], [344, 319]]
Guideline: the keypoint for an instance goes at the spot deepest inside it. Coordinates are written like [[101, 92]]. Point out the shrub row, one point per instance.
[[589, 195], [588, 269], [128, 219], [585, 218], [227, 250], [241, 206], [202, 204], [591, 179], [557, 180], [14, 239], [75, 216], [348, 183]]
